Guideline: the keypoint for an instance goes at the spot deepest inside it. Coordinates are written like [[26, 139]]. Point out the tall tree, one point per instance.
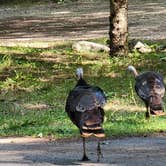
[[118, 27]]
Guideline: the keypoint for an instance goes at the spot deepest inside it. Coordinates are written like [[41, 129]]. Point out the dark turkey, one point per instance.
[[84, 106], [150, 88]]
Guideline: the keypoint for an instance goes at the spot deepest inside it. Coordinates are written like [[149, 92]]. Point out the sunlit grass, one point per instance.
[[34, 84]]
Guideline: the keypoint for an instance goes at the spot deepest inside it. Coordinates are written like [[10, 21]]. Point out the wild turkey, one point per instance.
[[150, 87], [84, 106]]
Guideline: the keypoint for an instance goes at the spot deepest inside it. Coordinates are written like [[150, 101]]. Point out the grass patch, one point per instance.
[[34, 84]]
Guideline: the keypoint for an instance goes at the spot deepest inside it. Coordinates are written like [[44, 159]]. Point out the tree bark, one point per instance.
[[118, 27]]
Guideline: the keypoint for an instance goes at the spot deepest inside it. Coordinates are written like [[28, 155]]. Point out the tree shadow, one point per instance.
[[79, 21], [68, 22], [119, 151]]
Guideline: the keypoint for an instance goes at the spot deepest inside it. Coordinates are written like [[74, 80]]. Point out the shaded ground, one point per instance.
[[83, 19], [136, 151]]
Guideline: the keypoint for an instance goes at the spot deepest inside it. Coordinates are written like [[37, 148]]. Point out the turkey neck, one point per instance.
[[81, 82]]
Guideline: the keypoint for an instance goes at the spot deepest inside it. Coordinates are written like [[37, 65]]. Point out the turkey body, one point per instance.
[[150, 87], [84, 106]]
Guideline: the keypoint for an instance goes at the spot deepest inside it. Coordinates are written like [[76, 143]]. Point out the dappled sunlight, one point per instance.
[[60, 13], [147, 18], [59, 62], [56, 77], [20, 140], [31, 43], [36, 83], [37, 106], [77, 21], [116, 106], [59, 22], [113, 75]]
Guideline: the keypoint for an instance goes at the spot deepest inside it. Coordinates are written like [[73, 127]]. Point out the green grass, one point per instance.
[[34, 84]]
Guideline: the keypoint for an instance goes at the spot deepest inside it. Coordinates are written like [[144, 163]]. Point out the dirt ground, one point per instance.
[[134, 151], [79, 20]]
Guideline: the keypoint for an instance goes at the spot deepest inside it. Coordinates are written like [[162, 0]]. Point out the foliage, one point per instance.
[[34, 84]]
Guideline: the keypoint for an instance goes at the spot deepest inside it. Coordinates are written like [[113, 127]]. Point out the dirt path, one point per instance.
[[79, 20], [135, 151]]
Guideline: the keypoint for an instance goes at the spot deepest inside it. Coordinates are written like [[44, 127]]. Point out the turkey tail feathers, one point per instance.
[[98, 132], [91, 123], [156, 107], [159, 111]]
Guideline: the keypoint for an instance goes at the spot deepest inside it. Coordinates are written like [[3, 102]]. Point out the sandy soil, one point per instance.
[[134, 151], [79, 20]]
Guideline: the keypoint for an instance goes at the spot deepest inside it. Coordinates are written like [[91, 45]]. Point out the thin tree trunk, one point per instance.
[[118, 27]]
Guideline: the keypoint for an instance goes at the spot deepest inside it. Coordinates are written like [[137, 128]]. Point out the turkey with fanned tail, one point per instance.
[[150, 87], [84, 106]]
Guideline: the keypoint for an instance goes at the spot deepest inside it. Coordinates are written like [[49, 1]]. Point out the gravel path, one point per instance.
[[79, 20], [135, 151]]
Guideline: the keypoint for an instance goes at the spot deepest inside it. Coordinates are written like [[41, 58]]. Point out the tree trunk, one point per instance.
[[118, 27]]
